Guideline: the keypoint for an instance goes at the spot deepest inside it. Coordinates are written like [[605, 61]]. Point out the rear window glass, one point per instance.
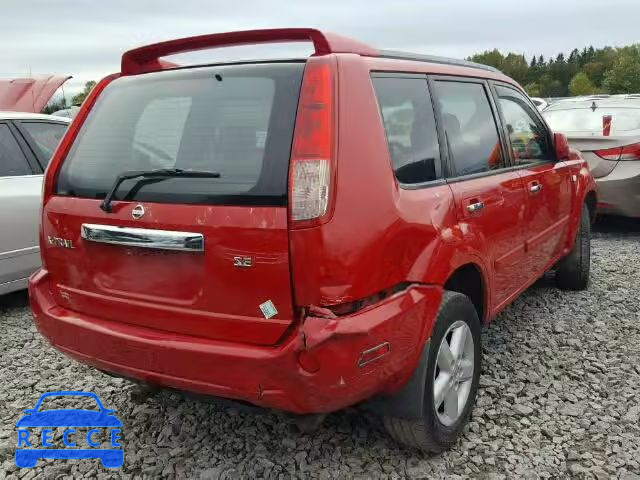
[[624, 121], [410, 126], [235, 120]]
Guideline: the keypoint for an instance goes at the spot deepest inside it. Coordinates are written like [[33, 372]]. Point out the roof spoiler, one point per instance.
[[148, 58]]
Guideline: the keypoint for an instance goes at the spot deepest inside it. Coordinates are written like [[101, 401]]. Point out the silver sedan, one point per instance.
[[606, 129], [27, 141]]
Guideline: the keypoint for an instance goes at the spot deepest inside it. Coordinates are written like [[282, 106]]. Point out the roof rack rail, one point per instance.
[[435, 59], [148, 58]]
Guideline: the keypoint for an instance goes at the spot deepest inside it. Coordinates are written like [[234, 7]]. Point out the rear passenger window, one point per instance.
[[527, 134], [410, 126], [12, 160], [470, 128]]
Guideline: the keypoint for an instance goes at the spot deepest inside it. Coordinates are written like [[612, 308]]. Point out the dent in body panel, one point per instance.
[[401, 322]]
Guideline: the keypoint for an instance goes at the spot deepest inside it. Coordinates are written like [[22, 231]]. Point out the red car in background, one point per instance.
[[305, 234]]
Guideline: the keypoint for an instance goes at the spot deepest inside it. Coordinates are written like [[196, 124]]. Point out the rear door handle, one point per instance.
[[475, 207], [535, 187]]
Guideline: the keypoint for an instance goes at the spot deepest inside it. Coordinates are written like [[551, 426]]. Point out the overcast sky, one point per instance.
[[85, 38]]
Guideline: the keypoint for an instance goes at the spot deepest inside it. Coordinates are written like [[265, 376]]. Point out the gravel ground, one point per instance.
[[559, 397]]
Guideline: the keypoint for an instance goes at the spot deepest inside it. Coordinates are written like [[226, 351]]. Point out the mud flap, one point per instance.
[[408, 402]]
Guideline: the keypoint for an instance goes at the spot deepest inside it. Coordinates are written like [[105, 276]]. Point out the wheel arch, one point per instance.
[[469, 280]]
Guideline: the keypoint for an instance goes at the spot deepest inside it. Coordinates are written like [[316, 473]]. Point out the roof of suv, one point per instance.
[[436, 59]]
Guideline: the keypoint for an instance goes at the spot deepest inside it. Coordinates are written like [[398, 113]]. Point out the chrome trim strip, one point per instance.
[[20, 252], [143, 237], [18, 177]]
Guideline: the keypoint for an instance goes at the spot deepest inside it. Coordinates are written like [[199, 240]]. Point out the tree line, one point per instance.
[[60, 103], [583, 72]]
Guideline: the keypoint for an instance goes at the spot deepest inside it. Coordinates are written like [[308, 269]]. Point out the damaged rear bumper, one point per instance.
[[318, 369]]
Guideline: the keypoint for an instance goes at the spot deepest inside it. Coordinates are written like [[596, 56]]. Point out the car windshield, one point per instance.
[[77, 402], [585, 119]]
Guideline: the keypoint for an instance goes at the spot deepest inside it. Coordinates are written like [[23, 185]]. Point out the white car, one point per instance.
[[540, 103], [27, 141], [70, 112]]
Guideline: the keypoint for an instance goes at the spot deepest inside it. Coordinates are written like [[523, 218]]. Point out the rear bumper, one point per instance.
[[619, 192], [316, 369]]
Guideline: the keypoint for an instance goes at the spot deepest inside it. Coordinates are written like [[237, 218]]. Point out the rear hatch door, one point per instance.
[[29, 94], [207, 257]]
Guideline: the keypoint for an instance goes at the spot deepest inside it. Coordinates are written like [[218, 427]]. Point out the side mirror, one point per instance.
[[563, 151]]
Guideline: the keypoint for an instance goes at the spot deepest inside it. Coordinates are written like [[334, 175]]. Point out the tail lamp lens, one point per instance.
[[310, 193], [627, 152], [630, 152], [311, 158]]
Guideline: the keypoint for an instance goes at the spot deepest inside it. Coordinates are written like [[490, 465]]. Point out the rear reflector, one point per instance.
[[312, 155], [373, 354], [627, 152]]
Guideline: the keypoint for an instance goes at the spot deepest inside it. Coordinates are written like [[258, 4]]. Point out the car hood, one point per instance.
[[29, 94], [69, 418]]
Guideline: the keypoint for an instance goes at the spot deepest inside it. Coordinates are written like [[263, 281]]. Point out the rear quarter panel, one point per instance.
[[380, 234]]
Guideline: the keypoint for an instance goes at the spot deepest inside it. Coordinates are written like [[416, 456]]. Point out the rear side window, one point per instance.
[[410, 126], [470, 127], [45, 136], [235, 120], [12, 160], [527, 134]]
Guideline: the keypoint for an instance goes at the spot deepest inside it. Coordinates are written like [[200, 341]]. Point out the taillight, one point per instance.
[[627, 152], [312, 167]]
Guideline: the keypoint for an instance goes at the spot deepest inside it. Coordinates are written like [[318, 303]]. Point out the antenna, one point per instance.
[[33, 99], [64, 97]]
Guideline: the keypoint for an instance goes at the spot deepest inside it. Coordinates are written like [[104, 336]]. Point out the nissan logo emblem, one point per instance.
[[137, 212]]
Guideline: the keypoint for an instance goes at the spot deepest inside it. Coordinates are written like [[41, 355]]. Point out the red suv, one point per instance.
[[305, 234]]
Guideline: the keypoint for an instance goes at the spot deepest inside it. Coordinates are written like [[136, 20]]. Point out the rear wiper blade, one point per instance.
[[157, 174]]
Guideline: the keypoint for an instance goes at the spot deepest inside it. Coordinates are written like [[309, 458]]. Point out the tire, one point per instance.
[[430, 433], [574, 269]]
